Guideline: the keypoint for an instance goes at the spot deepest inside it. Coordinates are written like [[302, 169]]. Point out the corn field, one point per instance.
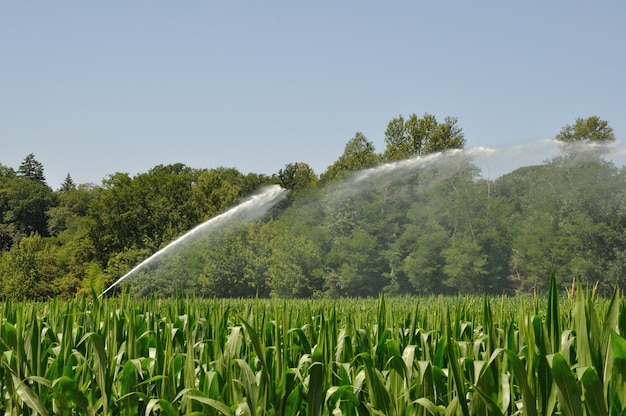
[[387, 356]]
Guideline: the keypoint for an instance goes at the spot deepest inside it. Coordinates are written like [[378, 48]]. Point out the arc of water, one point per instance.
[[251, 208]]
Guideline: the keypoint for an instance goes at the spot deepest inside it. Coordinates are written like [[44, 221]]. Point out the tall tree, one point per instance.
[[68, 184], [216, 190], [587, 129], [293, 267], [72, 203], [358, 265], [23, 207], [297, 177], [32, 169], [229, 269], [6, 172], [419, 136], [358, 154], [27, 270], [120, 217]]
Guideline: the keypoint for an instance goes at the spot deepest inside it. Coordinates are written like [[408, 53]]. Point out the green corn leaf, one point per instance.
[[302, 338], [99, 368], [316, 382], [70, 390], [128, 383], [383, 339], [583, 347], [453, 407], [164, 407], [396, 364], [378, 394], [335, 394], [248, 381], [293, 402], [257, 345], [491, 406], [27, 395], [569, 395], [611, 321], [34, 347], [426, 386], [408, 356], [484, 382], [593, 393], [214, 404], [8, 335], [429, 406], [233, 343], [343, 351], [618, 346], [457, 374], [506, 395], [618, 374], [359, 380], [552, 318], [397, 383], [243, 410], [440, 352], [530, 405]]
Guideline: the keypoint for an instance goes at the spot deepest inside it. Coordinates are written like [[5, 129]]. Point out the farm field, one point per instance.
[[554, 354]]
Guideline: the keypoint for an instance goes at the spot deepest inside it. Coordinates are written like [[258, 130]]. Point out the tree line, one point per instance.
[[436, 229]]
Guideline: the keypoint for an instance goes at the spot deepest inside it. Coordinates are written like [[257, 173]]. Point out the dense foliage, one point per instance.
[[405, 221], [391, 356]]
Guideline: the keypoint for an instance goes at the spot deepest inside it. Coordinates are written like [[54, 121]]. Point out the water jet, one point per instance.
[[250, 209]]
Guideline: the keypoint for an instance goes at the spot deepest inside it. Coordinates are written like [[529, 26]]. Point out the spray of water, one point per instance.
[[490, 162], [249, 210]]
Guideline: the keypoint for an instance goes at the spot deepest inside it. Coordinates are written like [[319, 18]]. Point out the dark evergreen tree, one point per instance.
[[32, 169], [67, 185]]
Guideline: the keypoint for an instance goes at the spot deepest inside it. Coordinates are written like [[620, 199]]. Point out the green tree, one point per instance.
[[120, 217], [419, 136], [69, 226], [358, 154], [32, 169], [73, 202], [28, 270], [218, 189], [293, 267], [166, 194], [150, 210], [94, 278], [24, 205], [297, 177], [423, 266], [358, 266], [533, 193], [144, 212], [587, 129], [565, 214], [6, 172], [591, 205], [67, 185], [229, 269]]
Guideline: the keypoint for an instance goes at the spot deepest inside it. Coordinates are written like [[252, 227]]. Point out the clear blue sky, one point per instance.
[[94, 88]]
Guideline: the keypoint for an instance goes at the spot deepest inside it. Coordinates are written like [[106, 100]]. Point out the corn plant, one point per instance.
[[386, 356]]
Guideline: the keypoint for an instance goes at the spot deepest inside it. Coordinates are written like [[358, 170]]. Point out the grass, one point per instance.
[[387, 356]]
